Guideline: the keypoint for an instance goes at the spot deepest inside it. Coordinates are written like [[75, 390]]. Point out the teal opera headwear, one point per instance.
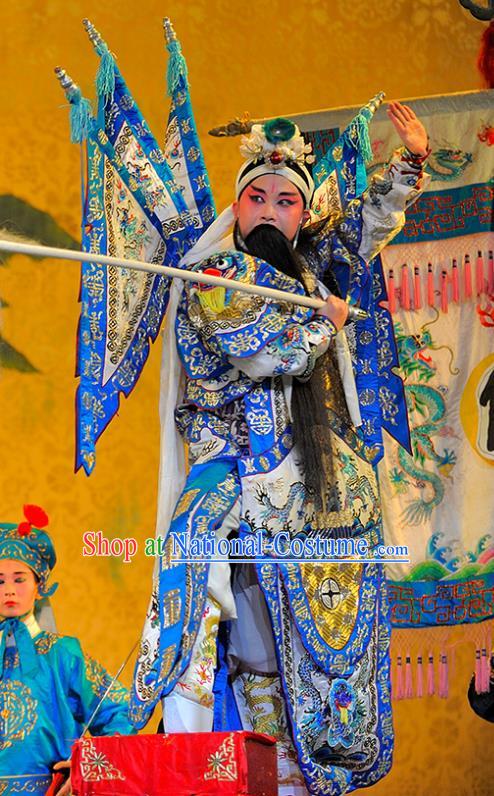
[[27, 542], [276, 147]]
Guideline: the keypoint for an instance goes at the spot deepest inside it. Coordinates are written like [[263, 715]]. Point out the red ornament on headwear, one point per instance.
[[35, 516], [276, 157]]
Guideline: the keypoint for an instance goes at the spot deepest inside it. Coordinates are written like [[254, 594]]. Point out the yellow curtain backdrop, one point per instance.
[[266, 57]]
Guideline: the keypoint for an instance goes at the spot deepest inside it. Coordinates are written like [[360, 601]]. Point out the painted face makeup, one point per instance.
[[270, 199], [18, 588]]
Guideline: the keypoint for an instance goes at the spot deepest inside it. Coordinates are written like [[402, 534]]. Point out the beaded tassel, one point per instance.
[[490, 275]]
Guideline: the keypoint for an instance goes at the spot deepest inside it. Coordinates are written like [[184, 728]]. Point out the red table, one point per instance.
[[192, 764]]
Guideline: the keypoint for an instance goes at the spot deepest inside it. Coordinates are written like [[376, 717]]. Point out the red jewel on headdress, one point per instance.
[[275, 157], [34, 516]]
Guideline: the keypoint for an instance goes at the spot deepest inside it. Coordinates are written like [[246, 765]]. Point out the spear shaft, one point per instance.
[[33, 250], [37, 250]]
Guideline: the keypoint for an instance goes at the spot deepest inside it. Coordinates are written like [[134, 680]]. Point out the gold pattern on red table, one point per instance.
[[95, 766], [222, 764]]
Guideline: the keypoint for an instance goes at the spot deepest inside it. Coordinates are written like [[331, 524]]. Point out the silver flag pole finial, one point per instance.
[[94, 36], [66, 82], [169, 31]]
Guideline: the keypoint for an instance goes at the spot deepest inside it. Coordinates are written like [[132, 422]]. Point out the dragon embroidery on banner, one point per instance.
[[445, 164], [428, 467]]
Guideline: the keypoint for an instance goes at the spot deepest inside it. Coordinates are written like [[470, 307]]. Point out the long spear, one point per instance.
[[33, 250]]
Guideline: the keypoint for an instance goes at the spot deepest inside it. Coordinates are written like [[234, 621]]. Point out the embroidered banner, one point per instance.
[[143, 204], [440, 284]]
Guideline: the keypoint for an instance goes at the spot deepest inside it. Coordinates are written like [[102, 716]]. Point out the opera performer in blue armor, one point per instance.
[[48, 688], [271, 417]]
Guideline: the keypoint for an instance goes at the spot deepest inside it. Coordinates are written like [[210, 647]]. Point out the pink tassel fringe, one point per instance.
[[444, 291], [399, 678], [419, 690], [443, 677], [478, 672], [455, 282], [430, 676], [417, 298], [479, 274], [490, 275], [468, 277], [391, 292], [484, 671], [430, 286], [405, 287], [408, 678]]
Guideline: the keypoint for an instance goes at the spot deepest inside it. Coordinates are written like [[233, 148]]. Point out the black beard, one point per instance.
[[270, 244], [309, 422]]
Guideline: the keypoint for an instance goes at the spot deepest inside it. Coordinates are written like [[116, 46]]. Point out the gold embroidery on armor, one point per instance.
[[167, 661], [333, 594], [168, 559], [171, 608], [185, 502]]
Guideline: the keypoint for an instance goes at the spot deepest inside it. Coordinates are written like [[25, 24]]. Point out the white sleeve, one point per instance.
[[292, 353], [389, 194]]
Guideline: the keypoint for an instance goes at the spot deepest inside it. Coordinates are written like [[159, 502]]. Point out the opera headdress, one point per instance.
[[27, 542]]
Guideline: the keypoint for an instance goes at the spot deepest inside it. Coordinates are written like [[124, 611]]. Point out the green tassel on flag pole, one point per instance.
[[362, 137], [105, 78], [359, 128], [81, 112], [177, 67]]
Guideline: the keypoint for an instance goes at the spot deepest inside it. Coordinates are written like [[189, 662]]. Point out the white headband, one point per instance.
[[303, 182]]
